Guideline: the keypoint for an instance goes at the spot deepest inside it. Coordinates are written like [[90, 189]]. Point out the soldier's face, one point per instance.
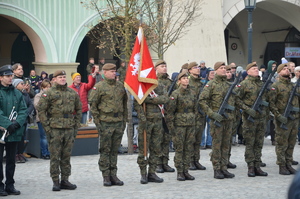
[[110, 74], [228, 74], [285, 71], [184, 81], [19, 71], [195, 70], [6, 80], [61, 79], [221, 71], [253, 71], [161, 69]]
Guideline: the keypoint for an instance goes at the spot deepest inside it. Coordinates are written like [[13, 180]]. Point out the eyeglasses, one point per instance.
[[233, 67], [196, 67]]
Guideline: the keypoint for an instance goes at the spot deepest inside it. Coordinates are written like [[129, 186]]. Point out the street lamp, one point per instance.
[[250, 6]]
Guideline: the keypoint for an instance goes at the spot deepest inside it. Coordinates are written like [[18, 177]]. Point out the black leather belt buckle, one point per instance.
[[116, 114]]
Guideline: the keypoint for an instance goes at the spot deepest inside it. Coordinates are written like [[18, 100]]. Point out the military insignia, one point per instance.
[[94, 88], [44, 95], [206, 85], [172, 98], [273, 89], [238, 85]]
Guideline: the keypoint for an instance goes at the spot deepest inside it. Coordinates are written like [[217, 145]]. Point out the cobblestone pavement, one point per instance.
[[33, 180]]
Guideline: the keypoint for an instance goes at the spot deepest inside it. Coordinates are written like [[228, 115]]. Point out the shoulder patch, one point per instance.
[[238, 85], [44, 95], [273, 89], [206, 85], [172, 98], [94, 88]]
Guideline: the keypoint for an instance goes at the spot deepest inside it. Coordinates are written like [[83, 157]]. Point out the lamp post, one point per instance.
[[250, 6]]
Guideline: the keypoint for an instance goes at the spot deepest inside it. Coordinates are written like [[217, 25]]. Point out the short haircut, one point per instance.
[[45, 83]]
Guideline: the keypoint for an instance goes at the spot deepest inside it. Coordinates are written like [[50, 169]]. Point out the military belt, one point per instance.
[[185, 110]]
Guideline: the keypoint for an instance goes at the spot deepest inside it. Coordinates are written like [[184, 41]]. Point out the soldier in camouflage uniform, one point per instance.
[[109, 109], [253, 132], [60, 114], [195, 85], [210, 102], [235, 121], [163, 78], [122, 71], [285, 139], [151, 121], [182, 109]]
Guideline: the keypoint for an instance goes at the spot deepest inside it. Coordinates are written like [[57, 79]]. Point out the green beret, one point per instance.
[[59, 72], [185, 66], [251, 65], [183, 74], [159, 62], [192, 64], [109, 66], [280, 67], [218, 65], [228, 67]]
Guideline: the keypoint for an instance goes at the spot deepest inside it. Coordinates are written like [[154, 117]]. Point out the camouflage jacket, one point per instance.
[[279, 95], [164, 79], [195, 84], [122, 71], [109, 102], [60, 107], [152, 109], [182, 107], [248, 92], [213, 94]]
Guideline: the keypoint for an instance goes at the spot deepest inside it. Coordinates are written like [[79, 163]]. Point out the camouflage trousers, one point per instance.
[[183, 138], [235, 124], [285, 141], [60, 146], [199, 128], [165, 145], [154, 138], [220, 144], [110, 137], [253, 134]]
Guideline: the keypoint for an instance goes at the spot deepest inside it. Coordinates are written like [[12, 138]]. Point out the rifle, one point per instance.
[[198, 106], [259, 102], [225, 106], [289, 108], [172, 85]]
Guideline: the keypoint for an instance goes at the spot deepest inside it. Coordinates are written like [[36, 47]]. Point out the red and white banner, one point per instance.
[[140, 76]]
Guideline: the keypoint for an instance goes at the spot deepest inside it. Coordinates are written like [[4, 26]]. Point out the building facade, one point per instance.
[[51, 34]]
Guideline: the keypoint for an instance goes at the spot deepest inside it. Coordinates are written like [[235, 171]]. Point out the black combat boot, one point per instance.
[[106, 181], [152, 177], [291, 169], [199, 166], [262, 164], [259, 172], [2, 191], [251, 172], [295, 162], [218, 174], [192, 166], [159, 168], [283, 170], [230, 165], [188, 176], [65, 184], [11, 190], [56, 185], [227, 174], [180, 176], [167, 168], [144, 179], [116, 181]]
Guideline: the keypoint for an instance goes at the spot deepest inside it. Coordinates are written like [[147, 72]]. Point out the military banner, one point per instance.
[[140, 76]]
